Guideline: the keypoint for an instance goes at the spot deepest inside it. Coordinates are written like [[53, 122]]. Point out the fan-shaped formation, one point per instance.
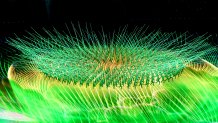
[[119, 77]]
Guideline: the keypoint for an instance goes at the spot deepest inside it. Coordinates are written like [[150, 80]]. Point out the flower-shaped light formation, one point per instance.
[[119, 77]]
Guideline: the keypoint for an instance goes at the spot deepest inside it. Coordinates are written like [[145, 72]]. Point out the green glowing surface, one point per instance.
[[159, 77]]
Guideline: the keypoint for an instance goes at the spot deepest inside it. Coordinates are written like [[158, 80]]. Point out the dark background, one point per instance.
[[194, 16], [170, 15]]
